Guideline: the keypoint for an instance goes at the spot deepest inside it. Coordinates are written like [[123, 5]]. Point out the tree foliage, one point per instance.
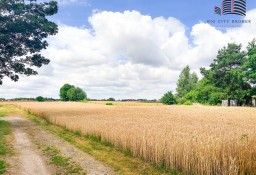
[[227, 72], [206, 93], [232, 75], [23, 29], [250, 64], [76, 94], [111, 99], [186, 82], [71, 93], [168, 98], [40, 99], [63, 92]]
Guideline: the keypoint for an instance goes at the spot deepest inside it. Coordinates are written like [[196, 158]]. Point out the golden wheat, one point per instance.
[[194, 139]]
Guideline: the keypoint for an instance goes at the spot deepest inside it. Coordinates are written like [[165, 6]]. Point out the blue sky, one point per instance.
[[189, 12]]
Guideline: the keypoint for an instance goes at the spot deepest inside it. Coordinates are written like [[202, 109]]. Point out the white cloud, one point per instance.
[[134, 35], [126, 55]]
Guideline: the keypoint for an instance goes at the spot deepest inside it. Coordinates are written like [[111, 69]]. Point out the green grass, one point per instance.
[[3, 167], [188, 103], [8, 110], [109, 104], [5, 130], [2, 111], [122, 161], [84, 101], [64, 162]]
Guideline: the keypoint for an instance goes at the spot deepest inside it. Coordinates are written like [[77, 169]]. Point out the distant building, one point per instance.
[[235, 102], [254, 100], [232, 103]]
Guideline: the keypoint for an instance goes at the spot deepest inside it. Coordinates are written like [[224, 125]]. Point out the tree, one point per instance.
[[250, 64], [63, 92], [111, 99], [40, 99], [23, 29], [186, 82], [81, 95], [168, 98], [226, 72], [193, 80], [206, 93], [71, 93], [76, 94]]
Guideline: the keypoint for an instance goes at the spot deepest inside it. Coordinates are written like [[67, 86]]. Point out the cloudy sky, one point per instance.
[[130, 48]]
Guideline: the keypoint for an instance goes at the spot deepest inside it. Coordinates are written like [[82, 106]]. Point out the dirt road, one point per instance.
[[29, 160]]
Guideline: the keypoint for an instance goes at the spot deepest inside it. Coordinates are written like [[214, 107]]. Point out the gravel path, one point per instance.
[[28, 161], [28, 134]]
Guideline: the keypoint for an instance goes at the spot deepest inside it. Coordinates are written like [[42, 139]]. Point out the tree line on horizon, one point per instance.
[[231, 76]]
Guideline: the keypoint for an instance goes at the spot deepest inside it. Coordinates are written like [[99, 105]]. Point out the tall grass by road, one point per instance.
[[5, 131]]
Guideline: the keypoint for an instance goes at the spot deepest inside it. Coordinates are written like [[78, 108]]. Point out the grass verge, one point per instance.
[[122, 161], [8, 110], [2, 166], [5, 130], [64, 162], [2, 111]]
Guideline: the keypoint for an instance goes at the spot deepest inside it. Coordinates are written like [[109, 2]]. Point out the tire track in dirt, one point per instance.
[[28, 134], [29, 161]]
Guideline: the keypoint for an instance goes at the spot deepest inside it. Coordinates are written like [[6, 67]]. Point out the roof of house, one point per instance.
[[254, 96]]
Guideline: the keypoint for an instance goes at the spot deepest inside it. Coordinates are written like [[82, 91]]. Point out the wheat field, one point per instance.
[[192, 139]]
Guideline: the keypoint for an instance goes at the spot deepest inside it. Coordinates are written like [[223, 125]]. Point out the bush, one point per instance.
[[181, 101], [188, 103], [109, 104], [168, 99], [206, 93], [40, 99], [215, 98], [192, 96]]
